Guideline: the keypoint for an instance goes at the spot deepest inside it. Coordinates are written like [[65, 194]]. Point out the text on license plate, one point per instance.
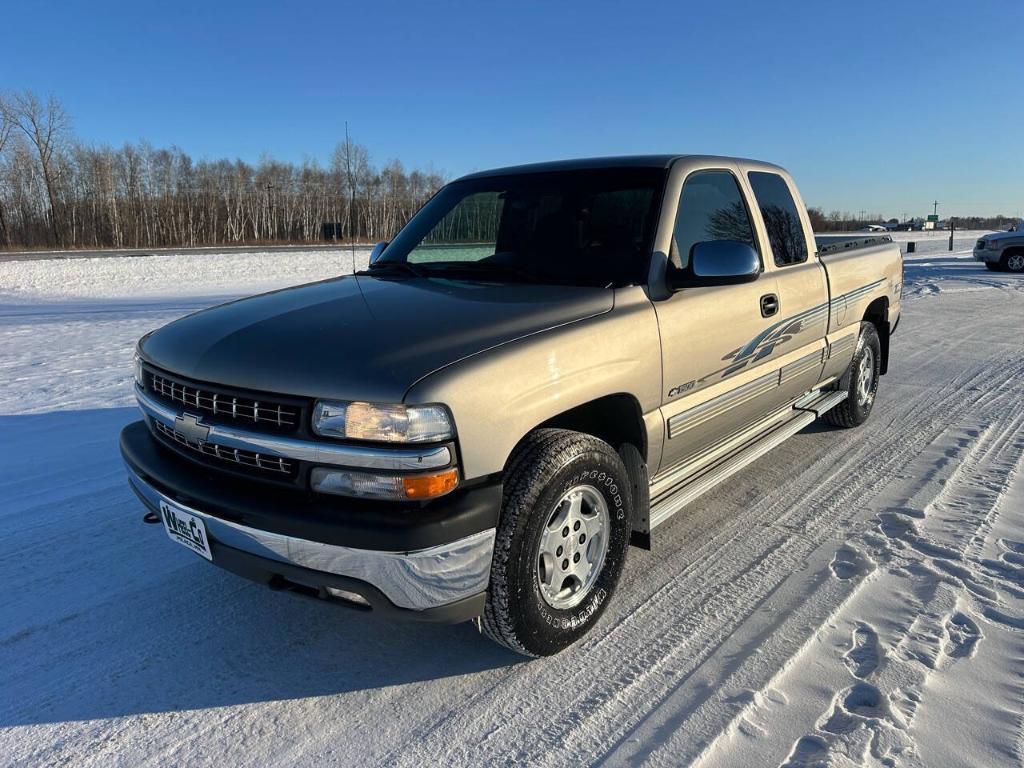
[[185, 528]]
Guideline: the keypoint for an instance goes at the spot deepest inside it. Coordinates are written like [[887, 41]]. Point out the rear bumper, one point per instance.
[[273, 538]]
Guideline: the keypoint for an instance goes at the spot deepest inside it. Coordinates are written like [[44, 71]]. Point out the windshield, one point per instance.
[[582, 227]]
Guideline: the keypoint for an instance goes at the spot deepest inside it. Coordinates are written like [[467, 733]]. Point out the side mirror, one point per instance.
[[718, 262], [378, 249]]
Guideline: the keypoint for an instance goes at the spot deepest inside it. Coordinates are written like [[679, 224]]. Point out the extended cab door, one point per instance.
[[718, 375], [803, 314]]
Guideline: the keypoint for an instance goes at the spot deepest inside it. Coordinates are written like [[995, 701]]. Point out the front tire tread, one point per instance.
[[532, 465]]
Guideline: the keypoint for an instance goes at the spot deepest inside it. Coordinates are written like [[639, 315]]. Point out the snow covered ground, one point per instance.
[[854, 598]]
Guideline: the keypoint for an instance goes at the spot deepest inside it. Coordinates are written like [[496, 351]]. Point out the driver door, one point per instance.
[[719, 375]]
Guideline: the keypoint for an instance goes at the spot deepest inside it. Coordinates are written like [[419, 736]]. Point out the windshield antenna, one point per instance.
[[351, 194]]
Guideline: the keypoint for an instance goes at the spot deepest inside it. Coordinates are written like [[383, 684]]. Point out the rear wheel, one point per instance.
[[561, 542], [861, 381]]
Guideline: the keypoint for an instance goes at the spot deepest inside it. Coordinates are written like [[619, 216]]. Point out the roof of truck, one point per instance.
[[624, 161], [584, 163]]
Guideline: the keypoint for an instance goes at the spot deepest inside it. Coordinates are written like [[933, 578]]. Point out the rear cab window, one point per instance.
[[781, 218]]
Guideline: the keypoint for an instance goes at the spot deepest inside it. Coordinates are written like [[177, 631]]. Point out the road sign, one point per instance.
[[933, 217]]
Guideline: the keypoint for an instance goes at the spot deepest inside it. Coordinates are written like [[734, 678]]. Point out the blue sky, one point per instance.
[[873, 106]]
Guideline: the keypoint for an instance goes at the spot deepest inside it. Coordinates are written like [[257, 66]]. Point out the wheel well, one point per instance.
[[1012, 250], [877, 314], [616, 419]]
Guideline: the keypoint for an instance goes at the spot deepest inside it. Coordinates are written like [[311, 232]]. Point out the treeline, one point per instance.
[[841, 221], [56, 191]]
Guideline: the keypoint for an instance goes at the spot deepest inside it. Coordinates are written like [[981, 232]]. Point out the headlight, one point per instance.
[[137, 365], [365, 485], [992, 245], [382, 423]]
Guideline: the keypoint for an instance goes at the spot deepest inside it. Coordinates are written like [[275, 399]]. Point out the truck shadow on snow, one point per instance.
[[106, 617]]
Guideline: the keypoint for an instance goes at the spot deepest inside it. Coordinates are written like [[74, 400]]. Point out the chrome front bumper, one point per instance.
[[416, 581]]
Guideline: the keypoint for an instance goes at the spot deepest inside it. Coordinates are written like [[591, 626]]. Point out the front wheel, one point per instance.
[[861, 381], [561, 542], [1014, 262]]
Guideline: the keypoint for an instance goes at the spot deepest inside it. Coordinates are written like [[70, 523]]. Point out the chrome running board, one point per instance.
[[819, 403], [698, 476]]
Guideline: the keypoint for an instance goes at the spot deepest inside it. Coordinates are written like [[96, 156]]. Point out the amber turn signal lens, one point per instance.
[[430, 486], [343, 482]]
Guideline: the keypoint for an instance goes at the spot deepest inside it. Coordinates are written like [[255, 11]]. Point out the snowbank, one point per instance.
[[855, 598]]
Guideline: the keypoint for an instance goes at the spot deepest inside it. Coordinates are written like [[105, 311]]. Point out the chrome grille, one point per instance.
[[233, 455], [239, 408]]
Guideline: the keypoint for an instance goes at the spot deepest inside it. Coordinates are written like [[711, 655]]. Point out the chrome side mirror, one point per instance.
[[718, 262], [378, 249]]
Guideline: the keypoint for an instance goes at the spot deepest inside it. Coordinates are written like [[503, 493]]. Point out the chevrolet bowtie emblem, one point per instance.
[[188, 426]]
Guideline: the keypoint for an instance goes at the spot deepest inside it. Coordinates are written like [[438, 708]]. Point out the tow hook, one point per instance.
[[151, 517]]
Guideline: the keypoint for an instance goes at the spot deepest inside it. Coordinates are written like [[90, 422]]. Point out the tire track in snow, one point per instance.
[[710, 596], [702, 718], [357, 715], [931, 628]]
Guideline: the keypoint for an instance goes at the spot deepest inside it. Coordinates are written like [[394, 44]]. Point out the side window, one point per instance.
[[711, 207], [781, 219]]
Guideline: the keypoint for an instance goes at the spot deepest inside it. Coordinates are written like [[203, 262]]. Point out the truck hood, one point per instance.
[[360, 337], [1003, 235]]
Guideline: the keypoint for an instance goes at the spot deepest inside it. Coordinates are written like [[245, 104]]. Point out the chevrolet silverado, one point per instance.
[[544, 366]]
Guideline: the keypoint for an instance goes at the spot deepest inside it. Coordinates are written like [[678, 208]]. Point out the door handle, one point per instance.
[[769, 304]]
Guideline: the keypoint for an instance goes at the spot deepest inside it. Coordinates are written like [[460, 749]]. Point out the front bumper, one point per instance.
[[305, 543], [987, 254]]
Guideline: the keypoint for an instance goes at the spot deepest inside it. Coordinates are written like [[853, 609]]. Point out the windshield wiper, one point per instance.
[[483, 269], [393, 266]]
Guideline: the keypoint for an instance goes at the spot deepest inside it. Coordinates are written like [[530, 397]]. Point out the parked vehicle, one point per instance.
[[545, 365], [1002, 251]]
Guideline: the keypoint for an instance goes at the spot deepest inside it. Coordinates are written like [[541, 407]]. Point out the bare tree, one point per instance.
[[46, 127], [351, 163], [6, 128], [55, 189]]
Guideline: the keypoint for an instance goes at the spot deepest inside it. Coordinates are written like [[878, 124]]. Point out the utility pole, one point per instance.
[[935, 208]]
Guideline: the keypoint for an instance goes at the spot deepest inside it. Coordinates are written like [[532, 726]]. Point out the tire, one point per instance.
[[1013, 262], [856, 408], [994, 266], [537, 605]]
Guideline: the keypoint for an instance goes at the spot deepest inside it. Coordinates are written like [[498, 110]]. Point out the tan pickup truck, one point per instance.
[[544, 365]]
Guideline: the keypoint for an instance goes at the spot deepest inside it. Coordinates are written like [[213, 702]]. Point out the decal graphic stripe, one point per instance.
[[802, 366], [856, 293], [761, 345], [814, 313], [843, 345], [718, 405]]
